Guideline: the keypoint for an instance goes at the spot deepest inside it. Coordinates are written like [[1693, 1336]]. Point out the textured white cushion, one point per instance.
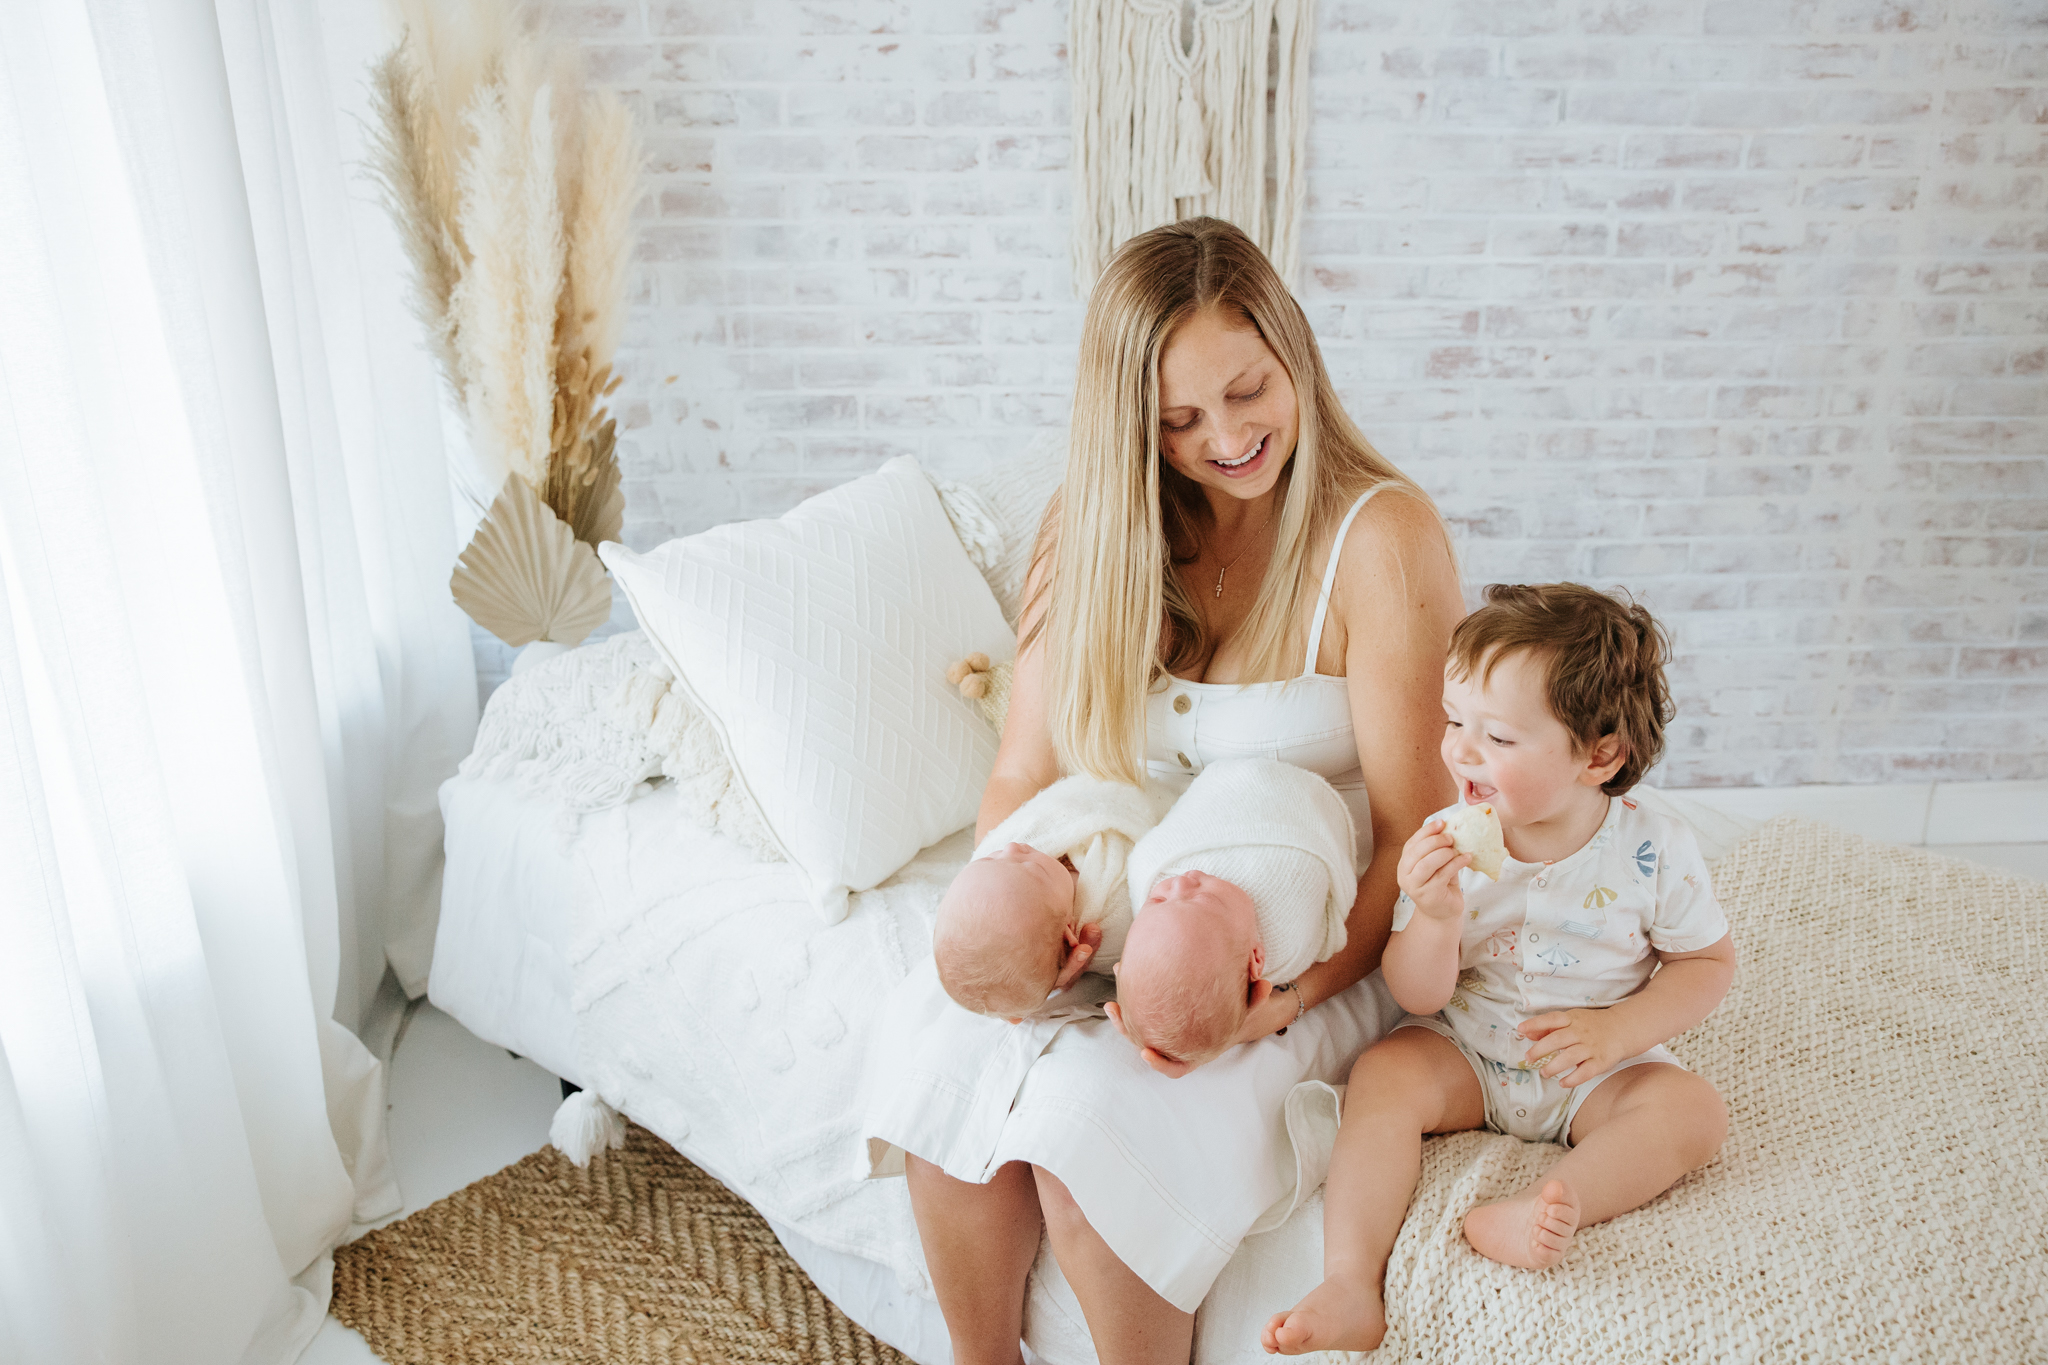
[[817, 644]]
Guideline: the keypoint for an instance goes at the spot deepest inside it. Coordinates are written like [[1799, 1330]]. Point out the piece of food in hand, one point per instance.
[[1476, 830]]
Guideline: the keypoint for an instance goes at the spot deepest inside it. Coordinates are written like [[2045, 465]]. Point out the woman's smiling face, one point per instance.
[[1227, 415]]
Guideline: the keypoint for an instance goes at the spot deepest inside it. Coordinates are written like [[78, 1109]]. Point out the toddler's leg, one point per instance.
[[1410, 1083], [1635, 1136]]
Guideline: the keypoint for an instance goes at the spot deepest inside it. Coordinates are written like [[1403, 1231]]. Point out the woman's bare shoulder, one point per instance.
[[1398, 546]]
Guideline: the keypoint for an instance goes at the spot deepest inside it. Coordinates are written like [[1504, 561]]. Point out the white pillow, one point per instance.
[[817, 644]]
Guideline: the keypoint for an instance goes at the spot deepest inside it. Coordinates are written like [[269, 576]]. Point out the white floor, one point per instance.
[[462, 1108]]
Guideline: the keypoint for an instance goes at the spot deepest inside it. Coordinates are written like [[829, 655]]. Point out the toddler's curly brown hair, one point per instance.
[[1603, 658]]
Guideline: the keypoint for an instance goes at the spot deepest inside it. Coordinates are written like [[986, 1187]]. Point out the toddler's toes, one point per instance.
[[1336, 1316], [1532, 1231], [1269, 1340], [1557, 1218]]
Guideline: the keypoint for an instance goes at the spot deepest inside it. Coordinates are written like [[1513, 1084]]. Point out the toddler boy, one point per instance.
[[1538, 1003]]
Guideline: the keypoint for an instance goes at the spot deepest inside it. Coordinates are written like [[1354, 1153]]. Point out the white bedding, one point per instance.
[[697, 991], [501, 967]]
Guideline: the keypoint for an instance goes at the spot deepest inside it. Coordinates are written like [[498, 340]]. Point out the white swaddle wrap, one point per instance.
[[1093, 824], [1279, 833]]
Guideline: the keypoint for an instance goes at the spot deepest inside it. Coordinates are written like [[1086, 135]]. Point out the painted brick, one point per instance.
[[1741, 304]]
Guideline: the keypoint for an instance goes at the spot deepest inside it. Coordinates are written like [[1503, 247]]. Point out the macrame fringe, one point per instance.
[[1163, 133]]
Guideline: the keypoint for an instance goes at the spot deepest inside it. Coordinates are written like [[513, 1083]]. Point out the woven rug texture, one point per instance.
[[641, 1259]]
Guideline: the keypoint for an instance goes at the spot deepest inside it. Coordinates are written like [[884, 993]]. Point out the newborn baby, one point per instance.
[[1044, 899], [1244, 884]]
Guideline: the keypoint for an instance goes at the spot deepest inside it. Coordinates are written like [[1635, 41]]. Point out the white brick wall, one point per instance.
[[1740, 303]]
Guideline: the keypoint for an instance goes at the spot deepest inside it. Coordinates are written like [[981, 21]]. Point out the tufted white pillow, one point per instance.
[[817, 645]]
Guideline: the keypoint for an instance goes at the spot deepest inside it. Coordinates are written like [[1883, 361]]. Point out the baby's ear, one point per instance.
[[1261, 991], [1257, 967], [1166, 1067], [1116, 1016]]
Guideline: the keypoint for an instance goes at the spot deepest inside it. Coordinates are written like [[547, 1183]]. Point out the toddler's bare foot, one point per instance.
[[1338, 1315], [1531, 1231]]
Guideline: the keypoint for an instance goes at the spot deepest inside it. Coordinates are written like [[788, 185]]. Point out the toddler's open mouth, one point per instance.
[[1472, 793]]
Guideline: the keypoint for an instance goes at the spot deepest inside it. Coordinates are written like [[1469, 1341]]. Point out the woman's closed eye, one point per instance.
[[1195, 421]]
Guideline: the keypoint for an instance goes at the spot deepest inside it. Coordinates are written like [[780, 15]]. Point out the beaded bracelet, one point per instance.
[[1300, 1007]]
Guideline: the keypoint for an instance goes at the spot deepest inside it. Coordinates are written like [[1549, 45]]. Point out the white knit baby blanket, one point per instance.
[[1092, 823]]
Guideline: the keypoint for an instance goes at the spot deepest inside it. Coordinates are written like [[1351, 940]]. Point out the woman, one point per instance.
[[1187, 605]]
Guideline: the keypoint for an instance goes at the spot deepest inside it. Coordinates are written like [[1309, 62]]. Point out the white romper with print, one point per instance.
[[1582, 932]]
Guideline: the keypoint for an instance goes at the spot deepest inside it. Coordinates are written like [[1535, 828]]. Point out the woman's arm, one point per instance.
[[1026, 763], [1397, 595]]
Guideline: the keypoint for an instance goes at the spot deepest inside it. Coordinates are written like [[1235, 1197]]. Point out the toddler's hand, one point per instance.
[[1428, 872], [1574, 1046]]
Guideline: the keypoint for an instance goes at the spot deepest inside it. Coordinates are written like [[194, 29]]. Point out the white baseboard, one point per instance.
[[1902, 813], [1988, 813]]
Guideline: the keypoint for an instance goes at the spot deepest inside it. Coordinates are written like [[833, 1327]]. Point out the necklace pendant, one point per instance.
[[1219, 579]]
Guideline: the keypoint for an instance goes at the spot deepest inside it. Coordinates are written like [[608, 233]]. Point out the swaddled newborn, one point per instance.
[[1244, 885], [1045, 898]]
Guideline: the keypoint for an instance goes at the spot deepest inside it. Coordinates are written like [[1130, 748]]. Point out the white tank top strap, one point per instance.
[[1315, 630]]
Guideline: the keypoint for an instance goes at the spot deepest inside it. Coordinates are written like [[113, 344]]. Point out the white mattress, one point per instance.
[[501, 968]]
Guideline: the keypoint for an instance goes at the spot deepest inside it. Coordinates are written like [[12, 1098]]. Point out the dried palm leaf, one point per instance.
[[526, 577]]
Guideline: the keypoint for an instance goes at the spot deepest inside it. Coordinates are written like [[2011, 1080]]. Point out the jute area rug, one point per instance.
[[641, 1258]]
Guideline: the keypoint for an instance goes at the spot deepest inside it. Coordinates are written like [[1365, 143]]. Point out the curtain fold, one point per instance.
[[230, 675]]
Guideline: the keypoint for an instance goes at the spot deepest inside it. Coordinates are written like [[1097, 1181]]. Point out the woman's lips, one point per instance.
[[1251, 466]]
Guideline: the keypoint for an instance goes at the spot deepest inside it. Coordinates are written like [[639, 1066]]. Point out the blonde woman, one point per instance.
[[1230, 569]]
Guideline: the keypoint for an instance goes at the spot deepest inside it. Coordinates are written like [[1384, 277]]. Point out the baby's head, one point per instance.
[[1191, 971], [1005, 931], [1553, 694]]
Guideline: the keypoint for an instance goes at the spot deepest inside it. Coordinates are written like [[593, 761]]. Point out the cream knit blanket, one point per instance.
[[1883, 1193]]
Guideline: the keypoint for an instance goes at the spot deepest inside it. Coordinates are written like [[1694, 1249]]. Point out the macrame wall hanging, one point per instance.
[[1189, 107]]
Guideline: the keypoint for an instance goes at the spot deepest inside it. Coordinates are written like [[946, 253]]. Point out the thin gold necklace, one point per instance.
[[1242, 553]]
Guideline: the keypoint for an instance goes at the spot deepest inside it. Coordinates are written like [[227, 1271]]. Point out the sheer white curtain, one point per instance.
[[230, 676]]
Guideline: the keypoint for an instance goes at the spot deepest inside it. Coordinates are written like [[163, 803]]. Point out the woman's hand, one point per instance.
[[1269, 1016], [1574, 1046], [1428, 874]]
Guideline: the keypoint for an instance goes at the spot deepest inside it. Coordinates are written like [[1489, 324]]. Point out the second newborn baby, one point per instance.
[[1244, 885]]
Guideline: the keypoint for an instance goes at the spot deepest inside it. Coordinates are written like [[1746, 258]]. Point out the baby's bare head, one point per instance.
[[1001, 929], [1184, 984]]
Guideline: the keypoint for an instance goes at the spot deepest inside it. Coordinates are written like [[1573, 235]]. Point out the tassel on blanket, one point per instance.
[[584, 1126]]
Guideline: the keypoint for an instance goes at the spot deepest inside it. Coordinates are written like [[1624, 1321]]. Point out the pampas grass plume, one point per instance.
[[505, 302]]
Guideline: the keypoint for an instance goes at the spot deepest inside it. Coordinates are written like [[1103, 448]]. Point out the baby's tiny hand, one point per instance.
[[1574, 1046], [1428, 872]]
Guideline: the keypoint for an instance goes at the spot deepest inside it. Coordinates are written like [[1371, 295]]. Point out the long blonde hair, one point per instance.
[[1114, 593]]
